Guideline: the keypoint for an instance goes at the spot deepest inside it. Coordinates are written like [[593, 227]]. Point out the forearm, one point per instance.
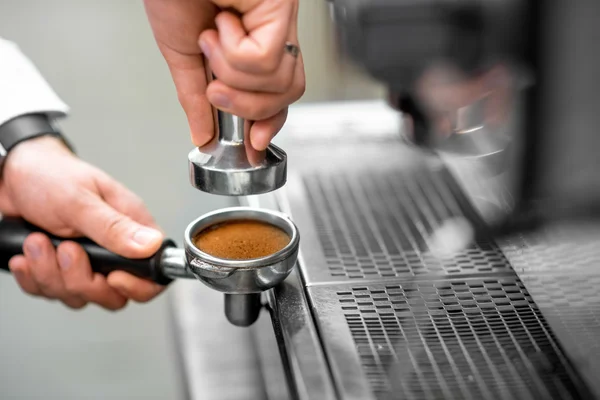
[[23, 90]]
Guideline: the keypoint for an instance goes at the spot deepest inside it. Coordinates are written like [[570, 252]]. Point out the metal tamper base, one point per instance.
[[229, 165]]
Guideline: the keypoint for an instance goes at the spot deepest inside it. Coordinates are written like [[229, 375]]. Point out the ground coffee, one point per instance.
[[241, 240]]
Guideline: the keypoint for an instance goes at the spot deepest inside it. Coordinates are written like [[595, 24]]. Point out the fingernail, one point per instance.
[[64, 260], [220, 100], [145, 236], [205, 48], [33, 251]]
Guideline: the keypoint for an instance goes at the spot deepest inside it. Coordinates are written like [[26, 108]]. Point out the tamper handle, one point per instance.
[[230, 127], [14, 231]]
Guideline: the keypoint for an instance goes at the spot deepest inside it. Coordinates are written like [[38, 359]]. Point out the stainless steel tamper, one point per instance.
[[242, 281], [229, 166]]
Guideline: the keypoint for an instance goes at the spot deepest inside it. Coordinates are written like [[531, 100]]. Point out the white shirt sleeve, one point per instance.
[[23, 90]]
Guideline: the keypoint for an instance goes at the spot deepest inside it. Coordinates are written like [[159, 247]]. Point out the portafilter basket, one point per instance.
[[242, 281]]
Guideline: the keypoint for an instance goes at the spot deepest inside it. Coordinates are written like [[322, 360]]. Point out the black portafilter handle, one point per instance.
[[13, 232]]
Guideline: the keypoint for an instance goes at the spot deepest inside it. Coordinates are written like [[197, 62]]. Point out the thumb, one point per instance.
[[113, 230]]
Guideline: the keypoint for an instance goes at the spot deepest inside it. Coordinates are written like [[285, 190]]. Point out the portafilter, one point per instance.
[[242, 281]]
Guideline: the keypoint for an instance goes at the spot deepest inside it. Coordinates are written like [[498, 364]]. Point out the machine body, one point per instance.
[[509, 86]]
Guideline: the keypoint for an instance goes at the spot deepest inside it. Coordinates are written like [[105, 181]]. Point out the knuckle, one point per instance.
[[114, 224], [267, 61], [298, 88], [260, 62], [261, 112]]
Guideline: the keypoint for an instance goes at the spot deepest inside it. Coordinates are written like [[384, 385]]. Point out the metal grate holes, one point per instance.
[[471, 339], [377, 226]]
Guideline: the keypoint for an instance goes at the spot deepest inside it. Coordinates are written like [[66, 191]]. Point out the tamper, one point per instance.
[[242, 281], [228, 165]]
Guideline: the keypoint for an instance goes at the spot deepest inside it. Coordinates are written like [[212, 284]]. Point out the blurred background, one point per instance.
[[102, 60]]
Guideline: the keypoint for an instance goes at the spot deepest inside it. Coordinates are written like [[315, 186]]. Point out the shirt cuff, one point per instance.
[[23, 89]]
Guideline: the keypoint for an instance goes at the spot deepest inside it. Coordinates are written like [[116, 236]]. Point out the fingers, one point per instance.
[[256, 106], [40, 256], [20, 269], [255, 42], [38, 274], [277, 80], [81, 281], [132, 287], [111, 229], [65, 274], [189, 77], [262, 132]]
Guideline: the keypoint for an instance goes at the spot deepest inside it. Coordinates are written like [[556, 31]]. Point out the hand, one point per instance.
[[44, 183], [257, 78]]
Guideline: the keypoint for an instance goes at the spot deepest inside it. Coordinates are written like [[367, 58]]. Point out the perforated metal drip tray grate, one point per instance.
[[378, 226], [560, 267], [397, 322], [467, 339]]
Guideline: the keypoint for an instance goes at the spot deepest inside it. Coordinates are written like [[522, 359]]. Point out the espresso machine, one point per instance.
[[506, 88], [449, 236], [450, 239]]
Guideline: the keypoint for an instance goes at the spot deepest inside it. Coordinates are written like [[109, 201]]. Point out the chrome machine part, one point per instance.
[[244, 278], [173, 264], [534, 66], [242, 309]]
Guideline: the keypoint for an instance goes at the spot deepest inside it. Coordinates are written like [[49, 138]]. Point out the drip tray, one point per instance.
[[397, 322], [560, 267], [377, 226], [462, 339]]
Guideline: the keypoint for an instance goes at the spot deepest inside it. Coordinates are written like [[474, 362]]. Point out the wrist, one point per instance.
[[40, 143], [17, 132]]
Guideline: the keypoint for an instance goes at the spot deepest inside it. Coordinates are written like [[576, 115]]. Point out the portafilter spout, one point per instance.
[[230, 166]]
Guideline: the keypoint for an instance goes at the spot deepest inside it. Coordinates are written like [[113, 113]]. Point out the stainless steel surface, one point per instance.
[[229, 165], [524, 72], [242, 276], [474, 338], [218, 359], [414, 326], [299, 341], [377, 226], [173, 264], [560, 267], [242, 281], [273, 369], [381, 317], [242, 309]]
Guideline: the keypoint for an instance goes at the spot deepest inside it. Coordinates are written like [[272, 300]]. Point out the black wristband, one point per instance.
[[25, 127]]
